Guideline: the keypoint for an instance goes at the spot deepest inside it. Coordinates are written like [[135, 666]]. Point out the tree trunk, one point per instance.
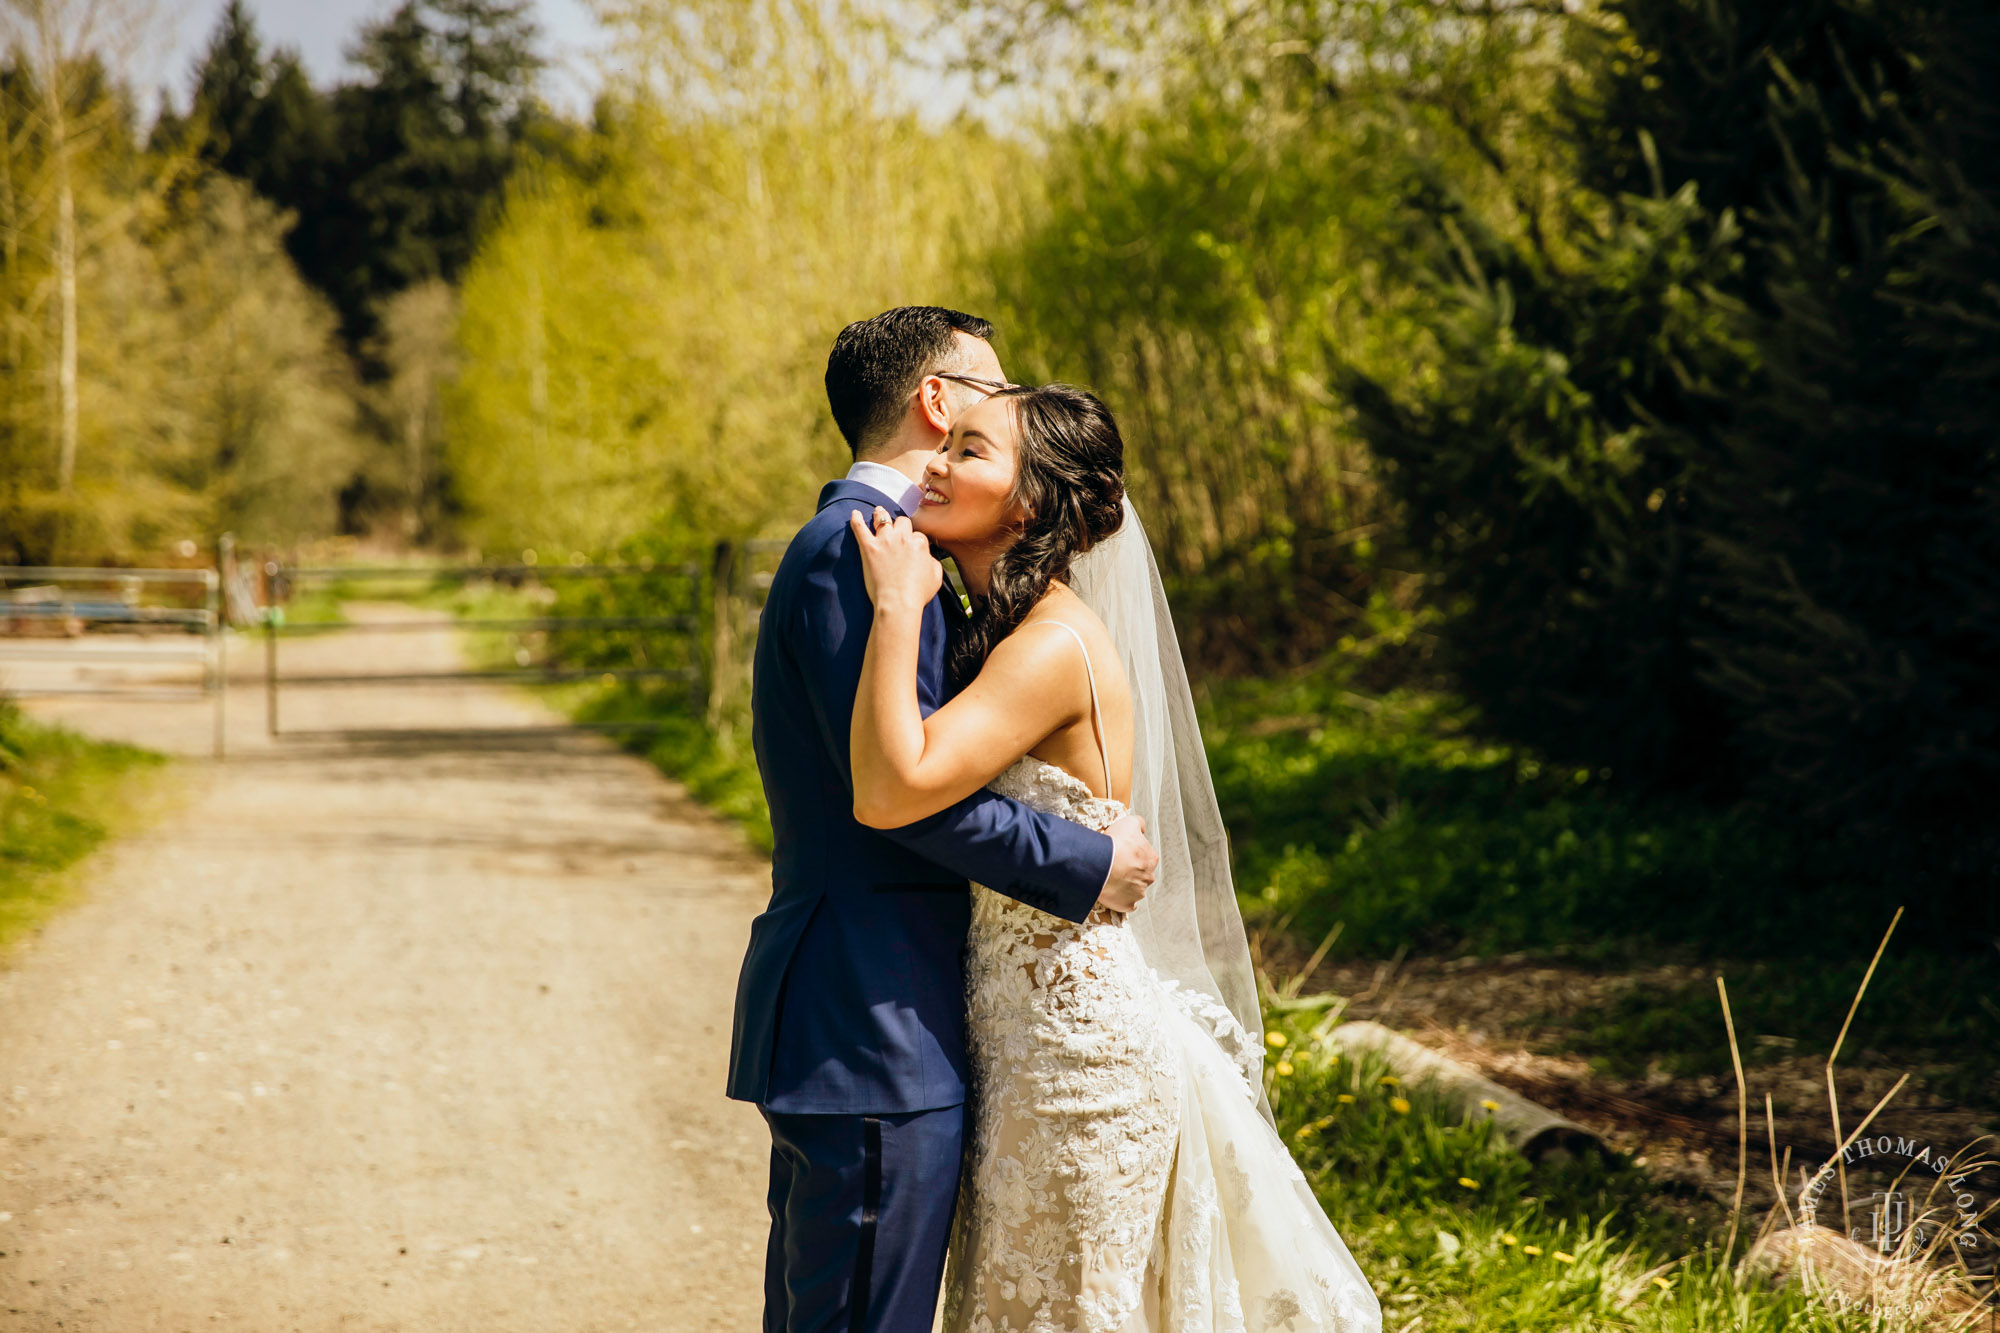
[[65, 248], [66, 296], [1533, 1130]]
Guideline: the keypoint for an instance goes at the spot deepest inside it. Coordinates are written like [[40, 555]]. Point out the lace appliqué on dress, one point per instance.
[[1075, 1110]]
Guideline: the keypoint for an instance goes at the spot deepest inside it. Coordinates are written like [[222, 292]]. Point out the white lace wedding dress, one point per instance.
[[1119, 1177]]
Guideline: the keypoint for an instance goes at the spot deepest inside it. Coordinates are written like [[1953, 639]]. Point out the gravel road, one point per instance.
[[373, 1033]]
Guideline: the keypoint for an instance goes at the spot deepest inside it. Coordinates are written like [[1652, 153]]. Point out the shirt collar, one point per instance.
[[891, 483]]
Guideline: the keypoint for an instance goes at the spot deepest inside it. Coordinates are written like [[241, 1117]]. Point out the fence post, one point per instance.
[[218, 640], [699, 686], [271, 614], [722, 654]]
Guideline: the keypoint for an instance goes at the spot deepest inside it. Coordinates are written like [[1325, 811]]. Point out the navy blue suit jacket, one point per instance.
[[852, 995]]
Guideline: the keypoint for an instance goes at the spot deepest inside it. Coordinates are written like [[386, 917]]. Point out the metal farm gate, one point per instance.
[[661, 645], [112, 633], [120, 633]]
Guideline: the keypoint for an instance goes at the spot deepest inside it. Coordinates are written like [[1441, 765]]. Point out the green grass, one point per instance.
[[1459, 1232], [61, 794], [1388, 816], [319, 604]]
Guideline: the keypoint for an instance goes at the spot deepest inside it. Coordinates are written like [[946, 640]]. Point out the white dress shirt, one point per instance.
[[881, 477]]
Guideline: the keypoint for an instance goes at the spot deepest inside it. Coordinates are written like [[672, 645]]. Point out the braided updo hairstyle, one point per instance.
[[1069, 478]]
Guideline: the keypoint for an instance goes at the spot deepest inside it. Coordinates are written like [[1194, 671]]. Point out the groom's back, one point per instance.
[[851, 996]]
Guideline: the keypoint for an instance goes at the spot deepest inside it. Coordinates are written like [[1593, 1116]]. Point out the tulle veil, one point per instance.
[[1244, 1241], [1189, 926]]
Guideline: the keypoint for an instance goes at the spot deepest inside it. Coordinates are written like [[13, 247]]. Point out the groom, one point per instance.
[[849, 1030]]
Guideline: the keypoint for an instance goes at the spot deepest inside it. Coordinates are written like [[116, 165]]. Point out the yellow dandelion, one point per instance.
[[1468, 1182], [1399, 1106], [1284, 1068], [1560, 1257], [1391, 1081], [1307, 1131], [1531, 1249], [1274, 1039], [1663, 1284], [1490, 1104], [1508, 1238], [1345, 1099]]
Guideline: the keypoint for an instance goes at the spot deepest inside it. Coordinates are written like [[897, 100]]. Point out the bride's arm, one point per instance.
[[906, 766]]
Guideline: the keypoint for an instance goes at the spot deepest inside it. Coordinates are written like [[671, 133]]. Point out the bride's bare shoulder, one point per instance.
[[1059, 603]]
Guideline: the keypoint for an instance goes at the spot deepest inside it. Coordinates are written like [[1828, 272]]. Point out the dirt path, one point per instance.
[[377, 1035]]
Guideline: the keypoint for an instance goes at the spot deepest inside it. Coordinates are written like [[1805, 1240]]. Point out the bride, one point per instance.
[[1122, 1172]]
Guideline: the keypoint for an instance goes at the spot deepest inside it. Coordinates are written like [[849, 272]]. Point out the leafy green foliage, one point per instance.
[[1542, 481], [173, 377], [645, 328], [1210, 255]]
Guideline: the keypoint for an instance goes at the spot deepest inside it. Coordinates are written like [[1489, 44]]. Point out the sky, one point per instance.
[[177, 31], [321, 30]]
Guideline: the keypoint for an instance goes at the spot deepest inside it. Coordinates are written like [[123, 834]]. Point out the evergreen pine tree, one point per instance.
[[1708, 487], [1857, 489], [230, 86], [427, 140], [388, 177]]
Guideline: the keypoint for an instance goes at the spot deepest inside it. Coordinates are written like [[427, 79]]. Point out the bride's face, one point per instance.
[[969, 482]]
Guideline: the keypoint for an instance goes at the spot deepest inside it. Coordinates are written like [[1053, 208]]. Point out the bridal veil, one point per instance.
[[1189, 926]]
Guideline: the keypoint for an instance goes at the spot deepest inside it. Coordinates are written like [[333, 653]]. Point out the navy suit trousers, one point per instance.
[[861, 1210]]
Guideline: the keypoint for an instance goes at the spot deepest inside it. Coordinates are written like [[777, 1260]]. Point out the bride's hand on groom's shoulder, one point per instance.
[[896, 562]]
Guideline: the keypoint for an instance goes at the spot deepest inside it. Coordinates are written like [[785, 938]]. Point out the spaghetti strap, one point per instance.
[[1096, 713]]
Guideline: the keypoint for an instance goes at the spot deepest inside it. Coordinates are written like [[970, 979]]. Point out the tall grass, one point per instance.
[[61, 794]]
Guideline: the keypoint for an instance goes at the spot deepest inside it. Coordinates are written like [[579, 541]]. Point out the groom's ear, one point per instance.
[[931, 404]]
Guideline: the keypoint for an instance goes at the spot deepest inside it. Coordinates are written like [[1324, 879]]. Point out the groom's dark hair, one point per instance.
[[877, 363]]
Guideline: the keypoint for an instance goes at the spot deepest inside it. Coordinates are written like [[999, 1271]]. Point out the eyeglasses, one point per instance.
[[991, 386]]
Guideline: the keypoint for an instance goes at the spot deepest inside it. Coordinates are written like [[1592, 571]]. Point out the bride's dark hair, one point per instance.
[[1069, 478]]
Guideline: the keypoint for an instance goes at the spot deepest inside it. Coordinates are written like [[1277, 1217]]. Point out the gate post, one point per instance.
[[273, 610], [722, 655], [218, 637]]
